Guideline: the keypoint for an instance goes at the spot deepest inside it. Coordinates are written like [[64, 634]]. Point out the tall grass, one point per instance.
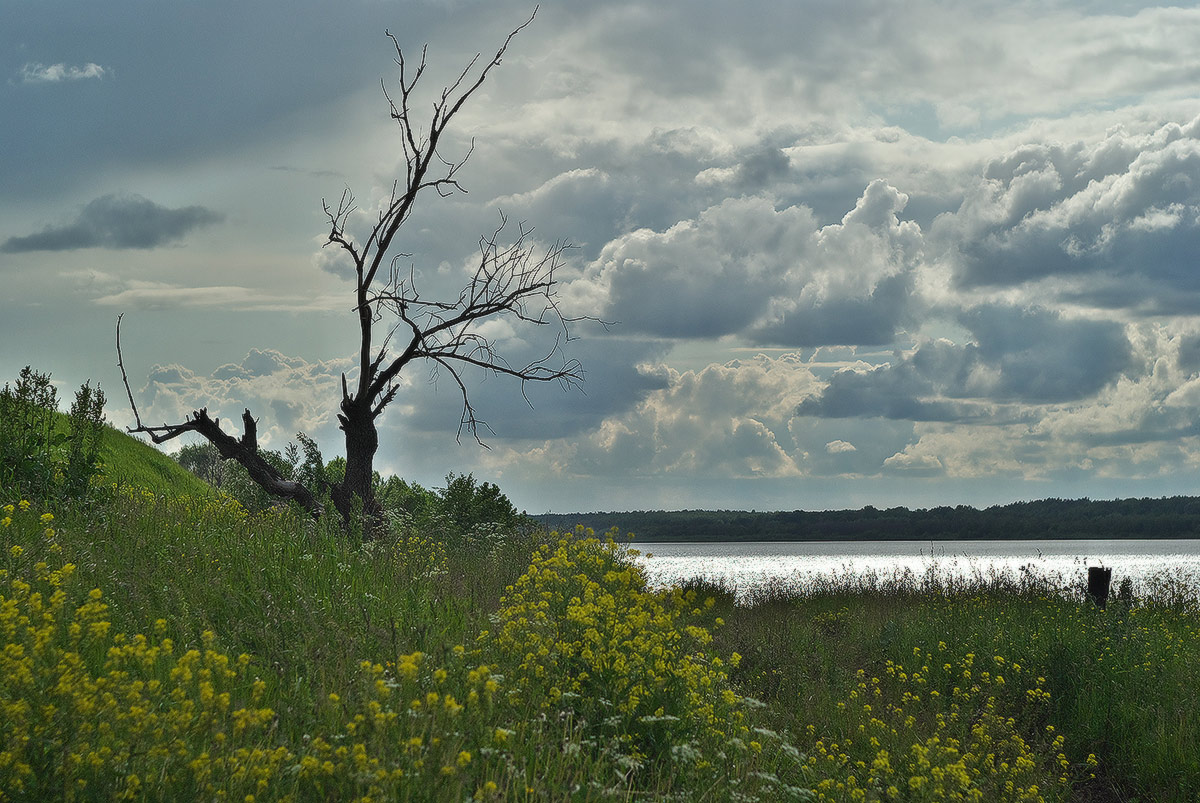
[[164, 648], [1103, 700], [175, 649]]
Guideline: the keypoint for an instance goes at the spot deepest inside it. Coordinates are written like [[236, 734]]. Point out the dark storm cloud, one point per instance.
[[116, 222], [911, 389], [1189, 353], [1017, 357], [864, 320], [762, 167], [1042, 357]]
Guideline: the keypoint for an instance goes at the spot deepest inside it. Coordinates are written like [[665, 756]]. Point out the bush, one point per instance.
[[231, 477], [39, 457]]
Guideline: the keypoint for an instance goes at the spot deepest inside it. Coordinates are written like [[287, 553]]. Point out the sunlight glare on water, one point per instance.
[[750, 566]]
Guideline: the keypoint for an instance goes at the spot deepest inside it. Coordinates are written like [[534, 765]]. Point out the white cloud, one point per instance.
[[286, 394], [730, 419], [150, 295], [37, 73], [908, 463], [773, 275], [1115, 221]]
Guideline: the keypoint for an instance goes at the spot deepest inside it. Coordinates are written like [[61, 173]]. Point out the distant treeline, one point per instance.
[[1175, 517]]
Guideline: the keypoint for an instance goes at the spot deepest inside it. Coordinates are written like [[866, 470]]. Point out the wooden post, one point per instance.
[[1098, 582]]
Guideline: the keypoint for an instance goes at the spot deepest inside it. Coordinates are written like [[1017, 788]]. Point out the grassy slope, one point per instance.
[[129, 461]]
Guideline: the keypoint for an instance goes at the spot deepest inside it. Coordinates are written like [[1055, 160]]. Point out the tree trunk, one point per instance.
[[362, 441]]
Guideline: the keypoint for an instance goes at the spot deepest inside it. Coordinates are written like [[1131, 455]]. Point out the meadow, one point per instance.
[[162, 644]]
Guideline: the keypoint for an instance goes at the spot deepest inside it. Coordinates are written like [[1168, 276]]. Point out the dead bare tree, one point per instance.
[[511, 279]]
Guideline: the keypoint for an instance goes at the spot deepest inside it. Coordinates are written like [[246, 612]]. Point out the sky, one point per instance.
[[851, 253]]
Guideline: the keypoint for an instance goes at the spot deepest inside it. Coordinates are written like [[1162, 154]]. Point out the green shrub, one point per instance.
[[39, 457]]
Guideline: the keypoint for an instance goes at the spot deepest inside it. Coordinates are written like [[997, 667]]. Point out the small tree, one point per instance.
[[85, 436], [28, 440], [470, 503], [39, 455], [512, 279]]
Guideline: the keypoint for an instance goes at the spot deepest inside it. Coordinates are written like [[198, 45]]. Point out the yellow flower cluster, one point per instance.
[[421, 555], [581, 632], [942, 728], [106, 715], [101, 714], [412, 725]]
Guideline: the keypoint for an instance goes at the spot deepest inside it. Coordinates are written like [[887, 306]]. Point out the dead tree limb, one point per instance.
[[513, 279], [244, 450]]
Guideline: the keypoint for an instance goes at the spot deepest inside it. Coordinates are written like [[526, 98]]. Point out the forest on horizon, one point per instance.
[[1046, 519]]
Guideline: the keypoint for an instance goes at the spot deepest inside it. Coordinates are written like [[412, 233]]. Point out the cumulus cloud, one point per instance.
[[773, 275], [1117, 220], [117, 222], [730, 419], [706, 277], [1017, 356], [735, 419], [914, 464], [854, 283], [37, 73], [287, 394], [756, 169]]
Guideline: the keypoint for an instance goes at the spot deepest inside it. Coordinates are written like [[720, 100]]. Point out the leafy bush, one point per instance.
[[471, 505], [38, 456], [230, 477]]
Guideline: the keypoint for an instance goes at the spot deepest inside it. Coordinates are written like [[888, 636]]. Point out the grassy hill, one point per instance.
[[129, 461]]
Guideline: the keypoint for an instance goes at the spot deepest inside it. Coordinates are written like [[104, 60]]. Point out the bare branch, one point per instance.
[[337, 232], [484, 73], [121, 364], [243, 450], [514, 280]]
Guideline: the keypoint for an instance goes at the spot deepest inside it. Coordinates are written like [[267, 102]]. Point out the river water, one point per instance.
[[752, 566]]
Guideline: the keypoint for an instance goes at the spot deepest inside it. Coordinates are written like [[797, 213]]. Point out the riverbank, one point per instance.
[[175, 650]]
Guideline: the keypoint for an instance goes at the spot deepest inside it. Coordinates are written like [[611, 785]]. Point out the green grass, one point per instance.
[[1117, 686], [422, 668], [126, 460], [129, 461]]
